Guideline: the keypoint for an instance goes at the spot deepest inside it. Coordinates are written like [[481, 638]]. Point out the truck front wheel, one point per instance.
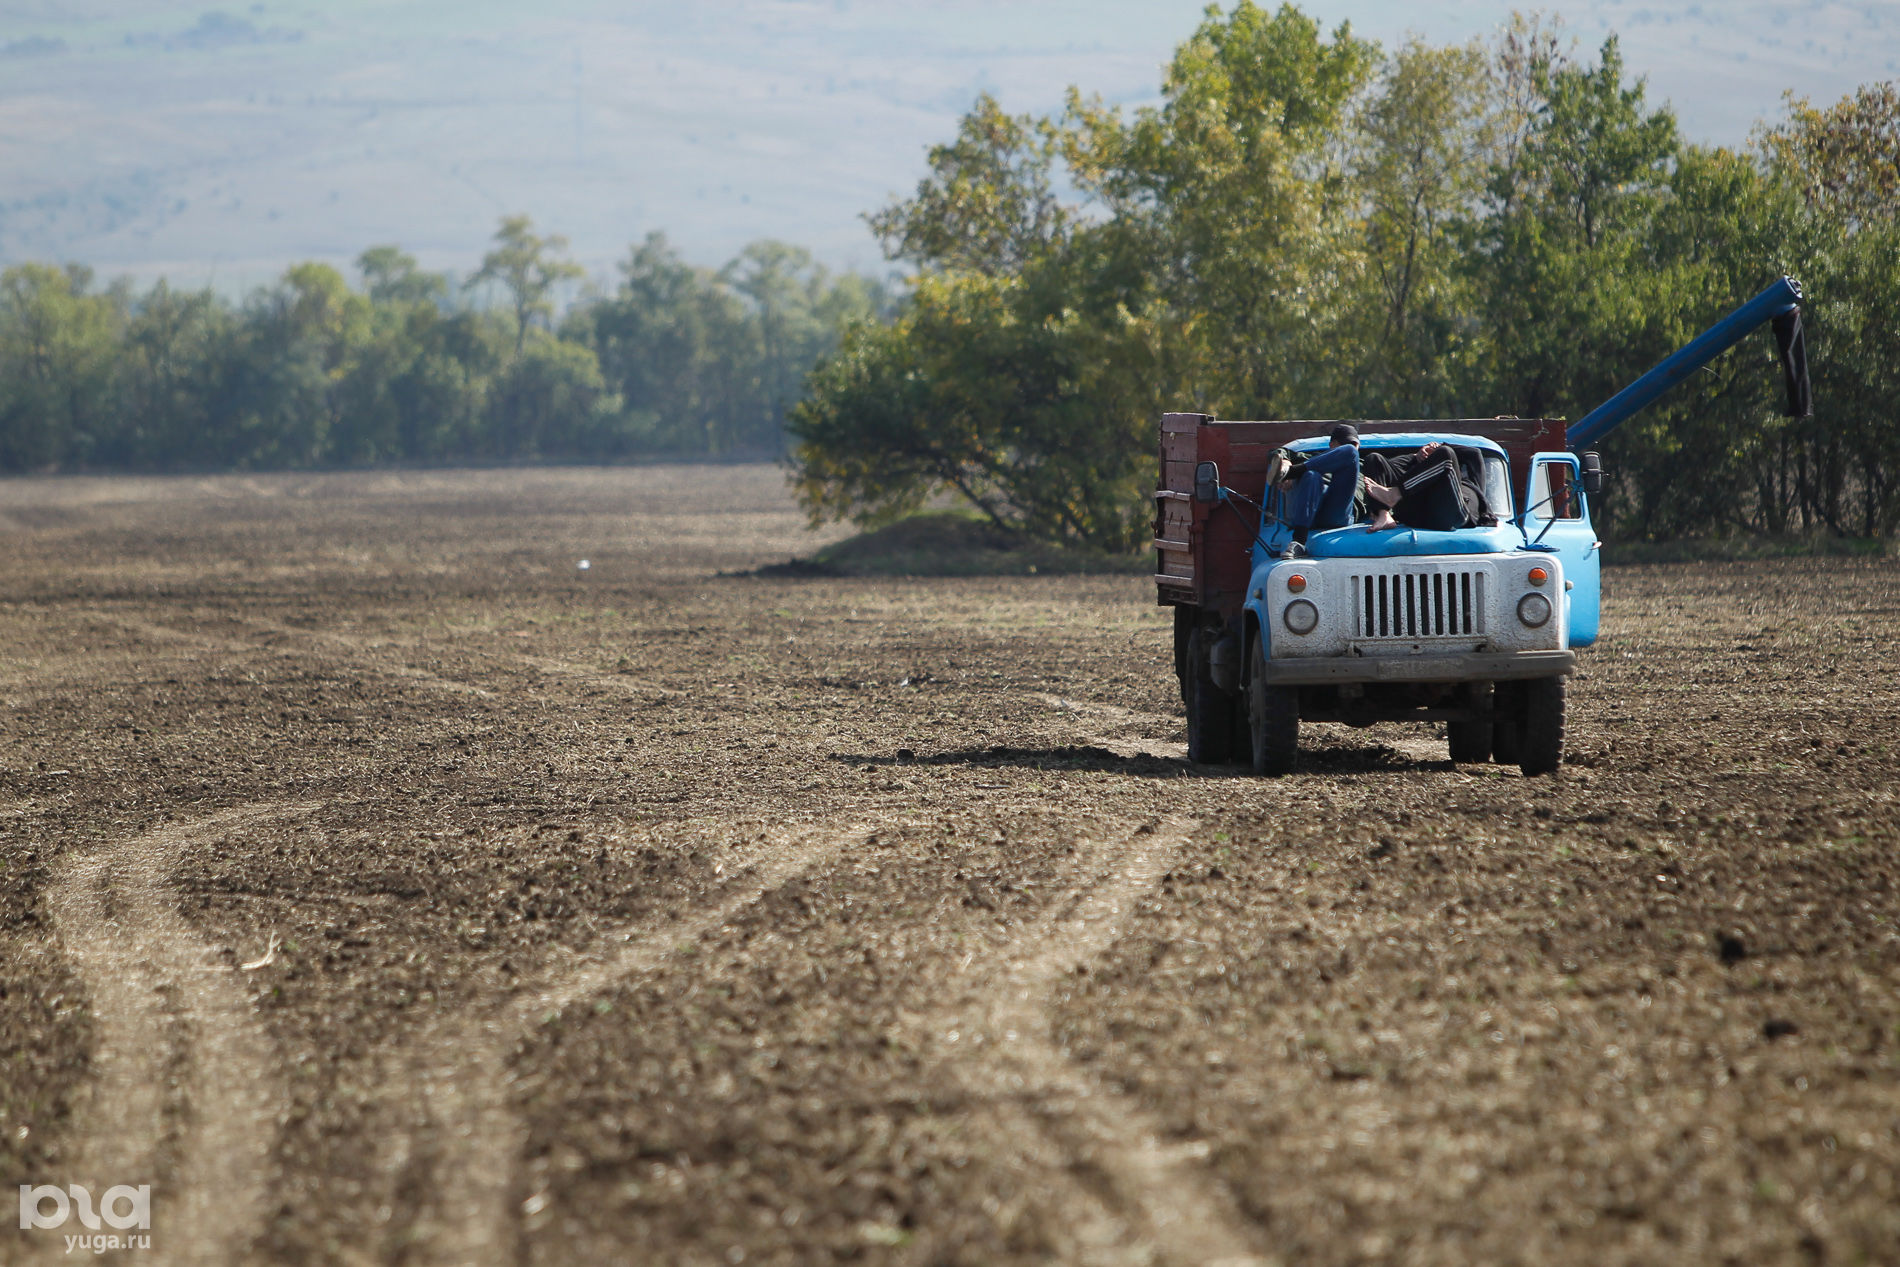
[[1506, 723], [1540, 725], [1470, 739], [1273, 718]]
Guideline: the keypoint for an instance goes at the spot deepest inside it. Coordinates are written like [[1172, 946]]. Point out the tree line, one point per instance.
[[1306, 225], [406, 366], [1310, 226]]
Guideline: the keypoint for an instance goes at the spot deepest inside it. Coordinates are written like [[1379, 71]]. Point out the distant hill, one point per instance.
[[220, 144]]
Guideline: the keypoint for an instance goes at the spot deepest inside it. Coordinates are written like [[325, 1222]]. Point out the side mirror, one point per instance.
[[1592, 474], [1207, 482]]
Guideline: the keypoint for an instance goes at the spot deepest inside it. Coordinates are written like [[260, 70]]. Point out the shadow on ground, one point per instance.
[[1374, 759]]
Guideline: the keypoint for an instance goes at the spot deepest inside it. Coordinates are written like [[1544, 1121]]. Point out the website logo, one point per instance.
[[122, 1208]]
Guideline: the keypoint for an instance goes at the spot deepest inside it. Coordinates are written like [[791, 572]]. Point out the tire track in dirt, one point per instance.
[[371, 648], [1434, 755], [344, 642], [1097, 708], [372, 651], [1132, 1198], [624, 683], [184, 1094], [1429, 752], [471, 1142], [1119, 745], [18, 673]]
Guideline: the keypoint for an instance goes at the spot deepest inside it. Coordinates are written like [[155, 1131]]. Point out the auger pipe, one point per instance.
[[1784, 296]]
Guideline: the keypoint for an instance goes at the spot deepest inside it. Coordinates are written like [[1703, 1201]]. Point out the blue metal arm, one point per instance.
[[1782, 297]]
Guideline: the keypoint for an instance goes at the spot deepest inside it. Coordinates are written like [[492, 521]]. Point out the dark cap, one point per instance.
[[1345, 433]]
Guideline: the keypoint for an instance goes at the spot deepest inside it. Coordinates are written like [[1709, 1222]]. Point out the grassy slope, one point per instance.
[[950, 543]]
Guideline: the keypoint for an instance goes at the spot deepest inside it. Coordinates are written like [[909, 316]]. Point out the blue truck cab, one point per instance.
[[1476, 627], [1555, 521]]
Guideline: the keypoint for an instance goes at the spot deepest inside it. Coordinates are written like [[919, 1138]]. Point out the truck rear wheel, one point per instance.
[[1210, 710], [1240, 752], [1183, 647], [1541, 725], [1273, 718]]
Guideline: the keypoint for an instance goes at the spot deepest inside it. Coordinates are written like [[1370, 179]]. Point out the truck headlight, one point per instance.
[[1300, 616], [1533, 610]]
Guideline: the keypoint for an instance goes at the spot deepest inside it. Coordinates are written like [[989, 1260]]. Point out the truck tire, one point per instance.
[[1210, 710], [1507, 723], [1541, 725], [1470, 741], [1273, 718], [1241, 751]]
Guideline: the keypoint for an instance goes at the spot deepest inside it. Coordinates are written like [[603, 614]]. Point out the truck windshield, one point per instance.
[[1497, 484]]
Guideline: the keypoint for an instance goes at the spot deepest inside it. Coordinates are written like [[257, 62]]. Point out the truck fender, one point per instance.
[[1253, 617]]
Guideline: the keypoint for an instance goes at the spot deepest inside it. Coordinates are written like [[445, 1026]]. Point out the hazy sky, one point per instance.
[[157, 137]]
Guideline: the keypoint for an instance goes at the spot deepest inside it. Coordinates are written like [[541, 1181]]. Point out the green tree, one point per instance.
[[795, 311], [417, 381], [551, 402], [58, 345], [1040, 340], [1421, 155], [672, 342], [1721, 230], [986, 386], [1232, 191], [1571, 308], [391, 276], [172, 363], [528, 267], [1846, 157], [989, 204], [294, 351], [709, 362], [1843, 162]]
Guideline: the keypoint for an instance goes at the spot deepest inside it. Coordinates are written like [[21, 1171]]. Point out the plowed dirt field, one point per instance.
[[381, 887]]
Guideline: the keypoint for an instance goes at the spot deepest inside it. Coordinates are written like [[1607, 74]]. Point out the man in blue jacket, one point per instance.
[[1321, 488]]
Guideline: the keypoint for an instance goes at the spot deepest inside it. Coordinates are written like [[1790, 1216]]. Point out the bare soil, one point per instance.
[[382, 887]]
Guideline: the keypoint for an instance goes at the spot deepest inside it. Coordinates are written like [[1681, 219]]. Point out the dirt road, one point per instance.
[[381, 887]]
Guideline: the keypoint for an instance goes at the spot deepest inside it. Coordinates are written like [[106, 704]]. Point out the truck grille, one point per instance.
[[1420, 604]]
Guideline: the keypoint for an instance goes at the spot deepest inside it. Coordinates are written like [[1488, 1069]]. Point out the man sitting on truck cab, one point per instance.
[[1322, 487], [1428, 489]]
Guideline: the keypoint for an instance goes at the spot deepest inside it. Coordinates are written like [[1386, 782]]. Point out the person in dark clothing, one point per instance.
[[1321, 489], [1429, 489]]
